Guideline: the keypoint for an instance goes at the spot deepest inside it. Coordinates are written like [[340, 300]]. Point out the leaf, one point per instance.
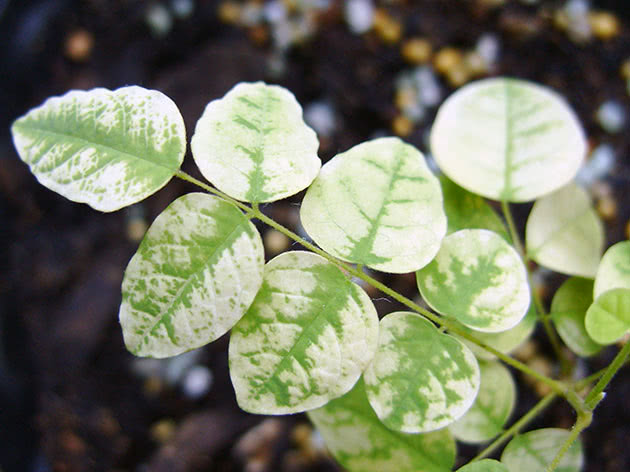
[[254, 145], [564, 233], [484, 465], [568, 310], [608, 319], [504, 341], [305, 340], [377, 204], [193, 277], [508, 139], [420, 379], [478, 279], [492, 407], [535, 450], [108, 149], [465, 210], [361, 443], [614, 269]]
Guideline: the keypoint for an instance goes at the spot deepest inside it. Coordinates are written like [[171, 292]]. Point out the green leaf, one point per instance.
[[568, 310], [193, 277], [360, 442], [377, 204], [492, 407], [254, 145], [484, 465], [504, 341], [535, 450], [614, 269], [107, 149], [305, 340], [608, 319], [420, 379], [508, 139], [564, 233], [465, 210], [478, 279]]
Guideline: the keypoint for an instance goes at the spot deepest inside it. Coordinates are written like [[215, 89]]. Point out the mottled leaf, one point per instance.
[[614, 269], [361, 443], [608, 318], [484, 465], [108, 149], [253, 144], [508, 139], [377, 204], [564, 233], [420, 379], [568, 310], [305, 340], [478, 279], [492, 407], [535, 450], [193, 277]]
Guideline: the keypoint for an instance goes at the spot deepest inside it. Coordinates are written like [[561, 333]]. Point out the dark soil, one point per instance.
[[69, 398]]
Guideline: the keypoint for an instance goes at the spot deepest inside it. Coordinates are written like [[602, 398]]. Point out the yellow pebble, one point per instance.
[[446, 58], [628, 230], [405, 97], [276, 242], [162, 431], [259, 35], [625, 69], [402, 126], [416, 50], [458, 75], [387, 28], [136, 229], [475, 64], [607, 208], [604, 25], [229, 12], [79, 45]]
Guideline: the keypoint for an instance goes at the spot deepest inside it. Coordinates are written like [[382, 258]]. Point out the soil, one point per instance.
[[71, 397]]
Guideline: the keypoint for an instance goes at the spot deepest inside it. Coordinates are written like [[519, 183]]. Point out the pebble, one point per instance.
[[275, 11], [229, 12], [402, 126], [488, 48], [628, 230], [182, 8], [607, 208], [387, 28], [197, 382], [604, 25], [578, 24], [611, 116], [624, 70], [446, 58], [458, 75], [429, 90], [78, 46], [598, 166], [159, 20], [321, 117], [162, 430], [416, 51], [275, 242], [359, 15]]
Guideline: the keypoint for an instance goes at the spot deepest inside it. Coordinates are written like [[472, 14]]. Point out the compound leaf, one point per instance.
[[534, 451], [193, 277], [568, 310], [108, 149], [420, 379], [614, 269], [492, 407], [361, 443], [608, 319], [377, 204], [484, 465], [253, 144], [478, 279], [564, 233], [507, 139], [305, 340]]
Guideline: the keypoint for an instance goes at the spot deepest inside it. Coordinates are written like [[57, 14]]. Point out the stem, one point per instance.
[[583, 421], [516, 427], [595, 395]]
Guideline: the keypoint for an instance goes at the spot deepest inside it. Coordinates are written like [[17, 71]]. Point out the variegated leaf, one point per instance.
[[361, 443], [608, 318], [614, 269], [254, 145], [478, 279], [305, 340], [535, 450], [507, 139], [564, 233], [420, 379], [193, 277], [108, 149], [377, 204], [484, 465], [492, 407]]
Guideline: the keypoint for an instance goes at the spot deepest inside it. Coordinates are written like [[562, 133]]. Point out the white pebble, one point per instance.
[[601, 162], [488, 48], [182, 8], [429, 91], [176, 367], [579, 26], [251, 14], [282, 33], [415, 112], [159, 19], [197, 382], [275, 11], [359, 15], [321, 117], [611, 116]]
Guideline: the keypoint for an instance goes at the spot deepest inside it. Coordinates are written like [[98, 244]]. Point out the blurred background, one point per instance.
[[71, 397]]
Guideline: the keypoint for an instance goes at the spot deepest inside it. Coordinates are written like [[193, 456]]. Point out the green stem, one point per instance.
[[583, 421], [595, 395]]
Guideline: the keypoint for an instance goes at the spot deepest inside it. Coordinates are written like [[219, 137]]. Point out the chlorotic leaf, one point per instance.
[[254, 145], [614, 269], [504, 341], [194, 275], [484, 465], [305, 340], [465, 210], [492, 407], [564, 233], [420, 379], [108, 149], [535, 450], [361, 443], [507, 139], [568, 310], [608, 318], [377, 204], [478, 279]]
